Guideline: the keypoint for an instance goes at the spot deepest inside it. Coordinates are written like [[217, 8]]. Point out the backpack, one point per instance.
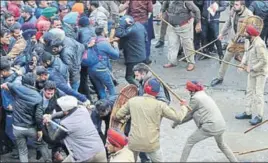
[[91, 56]]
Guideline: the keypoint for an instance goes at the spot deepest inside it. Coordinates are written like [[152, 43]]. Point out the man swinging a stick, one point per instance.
[[208, 119]]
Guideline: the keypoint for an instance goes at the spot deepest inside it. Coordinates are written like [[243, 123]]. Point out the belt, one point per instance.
[[185, 22]]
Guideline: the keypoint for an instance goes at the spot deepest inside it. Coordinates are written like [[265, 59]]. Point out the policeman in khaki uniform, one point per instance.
[[117, 147], [238, 14], [146, 114], [255, 62]]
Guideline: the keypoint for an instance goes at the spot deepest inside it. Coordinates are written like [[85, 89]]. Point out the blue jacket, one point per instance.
[[103, 51], [260, 8], [7, 98], [85, 34], [61, 67], [71, 55], [133, 40], [62, 84], [206, 15], [32, 20]]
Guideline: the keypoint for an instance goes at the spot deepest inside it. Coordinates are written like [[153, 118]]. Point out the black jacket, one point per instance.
[[27, 105]]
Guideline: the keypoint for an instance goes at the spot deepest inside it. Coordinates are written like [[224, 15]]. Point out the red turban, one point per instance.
[[43, 25], [194, 86], [116, 138], [252, 31], [152, 87], [14, 10]]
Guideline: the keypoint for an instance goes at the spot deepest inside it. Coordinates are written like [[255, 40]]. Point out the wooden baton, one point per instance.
[[168, 88], [255, 126]]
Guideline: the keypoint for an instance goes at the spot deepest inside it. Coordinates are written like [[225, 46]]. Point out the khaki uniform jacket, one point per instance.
[[229, 24], [146, 113], [124, 155], [206, 114], [256, 56]]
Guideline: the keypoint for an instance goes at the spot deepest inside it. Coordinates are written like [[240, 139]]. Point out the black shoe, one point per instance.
[[243, 116], [115, 82], [202, 57], [256, 120], [159, 44], [215, 82], [221, 58], [148, 61], [38, 155]]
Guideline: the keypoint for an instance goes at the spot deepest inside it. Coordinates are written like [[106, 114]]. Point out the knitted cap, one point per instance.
[[152, 87], [57, 33], [41, 70], [27, 25], [27, 8], [116, 138], [194, 86], [67, 103], [83, 21], [49, 12], [5, 64], [71, 18], [78, 7], [46, 56], [29, 79]]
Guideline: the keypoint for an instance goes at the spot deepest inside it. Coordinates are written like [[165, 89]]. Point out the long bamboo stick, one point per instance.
[[255, 126], [252, 151], [203, 47], [169, 89], [215, 58]]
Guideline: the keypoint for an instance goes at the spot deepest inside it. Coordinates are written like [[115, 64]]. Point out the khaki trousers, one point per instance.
[[255, 95], [200, 135], [228, 56], [181, 36], [155, 156]]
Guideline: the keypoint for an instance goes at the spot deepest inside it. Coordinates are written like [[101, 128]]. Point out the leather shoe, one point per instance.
[[243, 116], [159, 44], [169, 65], [255, 120], [215, 82], [190, 67], [238, 58]]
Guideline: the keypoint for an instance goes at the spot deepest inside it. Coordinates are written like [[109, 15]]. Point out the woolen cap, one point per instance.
[[27, 8]]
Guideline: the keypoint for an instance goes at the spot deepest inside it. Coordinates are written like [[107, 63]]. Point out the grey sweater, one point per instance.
[[82, 139], [180, 12], [206, 114]]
